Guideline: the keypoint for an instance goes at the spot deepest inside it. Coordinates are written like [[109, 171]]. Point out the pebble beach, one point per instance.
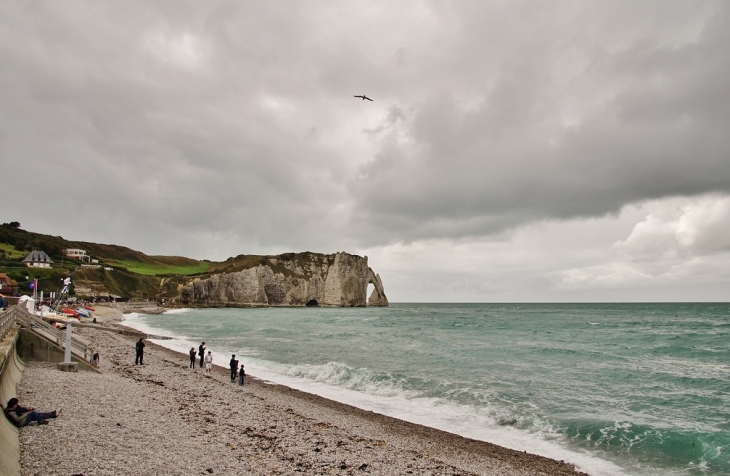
[[163, 418]]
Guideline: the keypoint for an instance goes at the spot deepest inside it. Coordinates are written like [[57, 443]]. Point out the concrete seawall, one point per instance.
[[31, 346], [11, 371], [17, 345]]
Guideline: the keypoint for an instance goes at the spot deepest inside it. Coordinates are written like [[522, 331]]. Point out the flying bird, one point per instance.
[[363, 97]]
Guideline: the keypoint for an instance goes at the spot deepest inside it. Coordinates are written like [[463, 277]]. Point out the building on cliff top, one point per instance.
[[77, 254], [38, 259]]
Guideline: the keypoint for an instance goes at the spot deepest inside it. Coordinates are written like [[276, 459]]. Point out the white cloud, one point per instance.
[[631, 256], [686, 227], [704, 227], [185, 50]]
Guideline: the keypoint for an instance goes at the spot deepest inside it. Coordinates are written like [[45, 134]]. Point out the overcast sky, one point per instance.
[[514, 151]]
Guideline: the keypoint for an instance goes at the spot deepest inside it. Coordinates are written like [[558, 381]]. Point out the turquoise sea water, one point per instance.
[[615, 388]]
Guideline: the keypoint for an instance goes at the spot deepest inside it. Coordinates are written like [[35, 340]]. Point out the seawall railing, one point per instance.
[[7, 319], [42, 328]]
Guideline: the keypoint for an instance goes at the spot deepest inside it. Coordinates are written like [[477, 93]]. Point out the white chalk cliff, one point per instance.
[[303, 279]]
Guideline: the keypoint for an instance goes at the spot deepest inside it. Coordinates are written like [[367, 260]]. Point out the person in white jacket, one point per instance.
[[208, 362]]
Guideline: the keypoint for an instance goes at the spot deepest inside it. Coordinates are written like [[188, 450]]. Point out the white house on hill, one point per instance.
[[38, 259], [75, 253]]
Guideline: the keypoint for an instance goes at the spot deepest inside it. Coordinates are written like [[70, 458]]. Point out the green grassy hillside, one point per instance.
[[160, 269], [9, 251], [242, 262], [134, 274]]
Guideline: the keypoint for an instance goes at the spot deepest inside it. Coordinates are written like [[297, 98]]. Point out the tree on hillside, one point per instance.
[[51, 249]]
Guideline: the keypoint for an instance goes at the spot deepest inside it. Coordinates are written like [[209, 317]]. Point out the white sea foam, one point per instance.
[[383, 397], [182, 310], [177, 343], [680, 367]]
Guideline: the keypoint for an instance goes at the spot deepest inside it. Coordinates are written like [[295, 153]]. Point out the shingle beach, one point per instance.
[[163, 418]]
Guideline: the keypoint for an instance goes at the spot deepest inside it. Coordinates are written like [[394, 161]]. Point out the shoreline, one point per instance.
[[268, 427]]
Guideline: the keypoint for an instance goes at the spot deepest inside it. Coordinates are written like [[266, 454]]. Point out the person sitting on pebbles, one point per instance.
[[22, 416]]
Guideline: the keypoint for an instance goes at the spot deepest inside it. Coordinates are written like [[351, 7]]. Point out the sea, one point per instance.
[[616, 389]]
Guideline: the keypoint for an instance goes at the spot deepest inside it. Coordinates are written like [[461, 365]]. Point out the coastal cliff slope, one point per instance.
[[292, 279]]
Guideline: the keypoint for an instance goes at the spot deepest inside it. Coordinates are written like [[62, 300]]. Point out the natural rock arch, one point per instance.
[[377, 298], [303, 279]]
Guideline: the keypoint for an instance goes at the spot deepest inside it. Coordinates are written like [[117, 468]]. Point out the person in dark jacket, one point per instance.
[[201, 354], [22, 416], [241, 375], [234, 368], [140, 352], [192, 357]]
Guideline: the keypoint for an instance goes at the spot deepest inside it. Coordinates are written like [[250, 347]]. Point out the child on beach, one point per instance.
[[241, 375], [208, 362], [192, 357], [95, 360]]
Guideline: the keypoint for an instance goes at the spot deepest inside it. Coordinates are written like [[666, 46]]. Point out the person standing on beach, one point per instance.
[[140, 352], [241, 375], [208, 362], [201, 353], [192, 357], [234, 367], [95, 360]]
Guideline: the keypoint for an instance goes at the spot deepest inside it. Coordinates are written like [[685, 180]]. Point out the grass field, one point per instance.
[[158, 269], [11, 252]]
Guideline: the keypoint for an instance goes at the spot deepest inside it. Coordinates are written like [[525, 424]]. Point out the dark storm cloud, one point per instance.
[[228, 127], [156, 120], [649, 121]]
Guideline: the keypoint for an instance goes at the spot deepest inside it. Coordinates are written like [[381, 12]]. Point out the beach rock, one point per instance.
[[334, 280]]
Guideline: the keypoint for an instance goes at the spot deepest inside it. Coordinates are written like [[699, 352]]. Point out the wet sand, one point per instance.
[[167, 419]]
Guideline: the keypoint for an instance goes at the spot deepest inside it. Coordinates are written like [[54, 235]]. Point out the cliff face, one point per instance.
[[336, 280]]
